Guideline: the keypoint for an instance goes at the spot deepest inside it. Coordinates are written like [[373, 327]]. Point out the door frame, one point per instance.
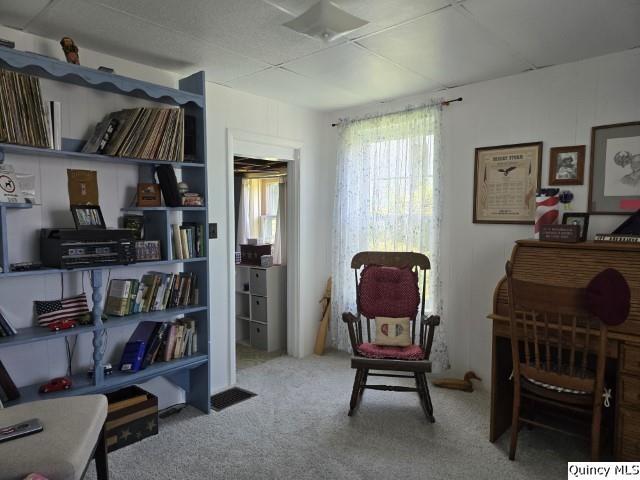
[[267, 144]]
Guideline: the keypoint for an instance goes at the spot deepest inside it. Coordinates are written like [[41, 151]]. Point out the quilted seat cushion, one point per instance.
[[412, 352]]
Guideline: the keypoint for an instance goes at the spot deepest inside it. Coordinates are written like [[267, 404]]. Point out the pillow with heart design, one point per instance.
[[393, 331]]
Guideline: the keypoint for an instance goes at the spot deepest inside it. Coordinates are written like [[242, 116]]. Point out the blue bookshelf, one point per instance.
[[191, 373], [6, 148]]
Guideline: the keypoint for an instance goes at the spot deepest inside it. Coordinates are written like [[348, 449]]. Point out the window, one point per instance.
[[269, 210], [258, 211]]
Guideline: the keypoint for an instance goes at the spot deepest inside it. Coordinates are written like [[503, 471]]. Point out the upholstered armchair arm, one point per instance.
[[427, 328], [355, 330]]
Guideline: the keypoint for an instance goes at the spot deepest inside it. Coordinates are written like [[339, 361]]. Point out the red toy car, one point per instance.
[[56, 384], [62, 325]]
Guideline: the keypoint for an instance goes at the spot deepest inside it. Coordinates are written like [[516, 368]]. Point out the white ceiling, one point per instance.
[[409, 46]]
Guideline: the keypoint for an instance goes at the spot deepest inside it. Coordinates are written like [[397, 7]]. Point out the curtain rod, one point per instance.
[[444, 103]]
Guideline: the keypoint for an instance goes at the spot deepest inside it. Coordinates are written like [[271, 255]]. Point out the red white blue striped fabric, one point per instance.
[[49, 311]]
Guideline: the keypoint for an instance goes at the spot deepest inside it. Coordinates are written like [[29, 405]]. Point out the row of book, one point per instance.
[[617, 237], [6, 329], [153, 292], [148, 133], [24, 118], [188, 240], [151, 342]]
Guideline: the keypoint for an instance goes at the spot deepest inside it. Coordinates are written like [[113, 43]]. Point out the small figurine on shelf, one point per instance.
[[56, 385], [70, 50], [187, 198]]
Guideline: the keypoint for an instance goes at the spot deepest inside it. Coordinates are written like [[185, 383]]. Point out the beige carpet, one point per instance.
[[297, 428], [247, 356]]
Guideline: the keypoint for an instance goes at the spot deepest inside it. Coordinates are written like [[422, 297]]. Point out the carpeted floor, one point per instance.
[[247, 356], [297, 428]]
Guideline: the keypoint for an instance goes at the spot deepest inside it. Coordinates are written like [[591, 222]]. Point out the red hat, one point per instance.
[[608, 297]]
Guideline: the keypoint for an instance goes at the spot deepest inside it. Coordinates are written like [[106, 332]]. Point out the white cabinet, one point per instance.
[[260, 307]]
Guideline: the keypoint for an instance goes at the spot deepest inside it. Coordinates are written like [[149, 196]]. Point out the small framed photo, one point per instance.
[[566, 165], [580, 219], [87, 217]]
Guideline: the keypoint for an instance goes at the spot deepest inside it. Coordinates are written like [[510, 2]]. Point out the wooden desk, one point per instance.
[[574, 264]]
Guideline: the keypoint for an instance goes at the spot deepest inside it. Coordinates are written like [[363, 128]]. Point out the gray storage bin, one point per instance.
[[258, 282], [258, 336]]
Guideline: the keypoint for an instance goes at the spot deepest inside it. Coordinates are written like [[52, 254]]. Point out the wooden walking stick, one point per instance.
[[321, 338]]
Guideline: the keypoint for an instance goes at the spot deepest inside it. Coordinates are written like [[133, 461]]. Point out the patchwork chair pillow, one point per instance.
[[392, 332]]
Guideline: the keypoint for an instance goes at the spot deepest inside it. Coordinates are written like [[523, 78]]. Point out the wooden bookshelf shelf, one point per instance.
[[47, 67], [158, 316], [153, 263], [83, 385], [7, 148], [191, 373], [41, 334], [15, 205], [163, 209]]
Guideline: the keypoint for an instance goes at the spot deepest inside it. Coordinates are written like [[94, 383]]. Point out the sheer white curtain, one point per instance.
[[259, 214], [248, 211], [279, 248], [388, 198]]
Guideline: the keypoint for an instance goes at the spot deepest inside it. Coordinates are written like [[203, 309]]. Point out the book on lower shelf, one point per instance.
[[155, 291], [163, 342], [187, 240]]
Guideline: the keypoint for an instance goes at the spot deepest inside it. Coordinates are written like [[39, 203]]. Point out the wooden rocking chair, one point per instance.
[[388, 287]]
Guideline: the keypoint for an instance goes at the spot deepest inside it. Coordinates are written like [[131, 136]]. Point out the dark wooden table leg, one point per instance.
[[501, 387], [100, 456]]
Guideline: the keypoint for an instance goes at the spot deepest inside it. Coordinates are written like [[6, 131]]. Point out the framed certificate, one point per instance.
[[614, 187], [505, 183]]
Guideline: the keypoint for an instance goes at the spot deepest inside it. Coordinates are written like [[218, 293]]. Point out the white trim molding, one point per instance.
[[241, 142]]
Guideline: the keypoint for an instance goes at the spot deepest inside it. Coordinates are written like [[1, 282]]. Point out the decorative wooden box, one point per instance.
[[250, 254], [132, 415]]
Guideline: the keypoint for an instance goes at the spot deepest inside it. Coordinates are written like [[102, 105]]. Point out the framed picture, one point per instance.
[[566, 165], [579, 219], [87, 217], [614, 184], [506, 179]]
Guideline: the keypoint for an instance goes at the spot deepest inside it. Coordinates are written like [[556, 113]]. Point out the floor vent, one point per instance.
[[230, 397]]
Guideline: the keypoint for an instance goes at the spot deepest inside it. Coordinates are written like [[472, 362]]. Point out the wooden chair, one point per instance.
[[382, 299], [552, 333]]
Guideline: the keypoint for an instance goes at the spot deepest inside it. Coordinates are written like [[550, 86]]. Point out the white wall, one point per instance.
[[226, 108], [558, 106]]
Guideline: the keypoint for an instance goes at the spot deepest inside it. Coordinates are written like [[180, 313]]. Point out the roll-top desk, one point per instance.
[[575, 264]]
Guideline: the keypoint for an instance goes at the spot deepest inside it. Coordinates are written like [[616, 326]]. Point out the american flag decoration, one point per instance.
[[547, 212], [71, 308]]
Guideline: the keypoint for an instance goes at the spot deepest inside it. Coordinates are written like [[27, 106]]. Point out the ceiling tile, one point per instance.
[[114, 33], [548, 32], [362, 73], [380, 13], [292, 88], [249, 27], [17, 15], [448, 47]]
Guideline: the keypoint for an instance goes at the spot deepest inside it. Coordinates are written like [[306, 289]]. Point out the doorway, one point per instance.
[[260, 210], [253, 147]]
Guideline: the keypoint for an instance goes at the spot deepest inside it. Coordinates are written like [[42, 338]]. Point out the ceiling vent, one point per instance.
[[326, 21]]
